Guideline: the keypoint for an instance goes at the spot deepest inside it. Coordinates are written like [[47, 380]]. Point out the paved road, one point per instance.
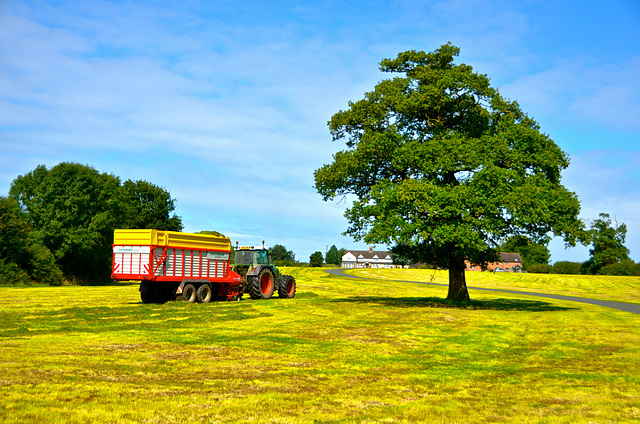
[[627, 307]]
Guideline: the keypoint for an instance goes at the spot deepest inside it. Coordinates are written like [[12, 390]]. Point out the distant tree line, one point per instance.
[[332, 257], [57, 224], [608, 254], [283, 257]]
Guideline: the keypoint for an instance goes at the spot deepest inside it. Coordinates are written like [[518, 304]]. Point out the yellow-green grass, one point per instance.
[[603, 287], [343, 351]]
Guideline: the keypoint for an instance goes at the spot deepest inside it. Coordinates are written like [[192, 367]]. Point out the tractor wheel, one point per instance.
[[204, 293], [287, 287], [189, 293], [262, 286]]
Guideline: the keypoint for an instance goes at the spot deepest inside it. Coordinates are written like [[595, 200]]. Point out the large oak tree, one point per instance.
[[445, 168]]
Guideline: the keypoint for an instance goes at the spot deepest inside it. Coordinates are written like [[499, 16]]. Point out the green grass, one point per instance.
[[603, 287], [342, 351]]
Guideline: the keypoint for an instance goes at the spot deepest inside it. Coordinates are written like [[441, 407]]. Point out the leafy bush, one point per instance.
[[540, 269], [11, 274], [567, 267], [316, 259], [42, 266], [626, 267]]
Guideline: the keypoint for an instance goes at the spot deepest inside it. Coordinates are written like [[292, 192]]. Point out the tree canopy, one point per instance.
[[316, 259], [23, 257], [444, 168], [607, 241], [148, 206], [74, 209], [333, 256], [280, 255]]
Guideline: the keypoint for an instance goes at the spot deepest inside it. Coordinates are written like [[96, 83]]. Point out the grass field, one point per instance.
[[603, 287], [342, 351]]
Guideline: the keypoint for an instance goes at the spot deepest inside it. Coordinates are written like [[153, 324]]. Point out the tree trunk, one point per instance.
[[457, 280]]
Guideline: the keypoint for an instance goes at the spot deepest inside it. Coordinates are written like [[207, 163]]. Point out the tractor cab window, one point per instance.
[[244, 257], [262, 258]]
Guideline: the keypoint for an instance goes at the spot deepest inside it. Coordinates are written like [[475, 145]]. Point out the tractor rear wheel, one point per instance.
[[287, 287], [204, 293], [262, 286], [189, 293]]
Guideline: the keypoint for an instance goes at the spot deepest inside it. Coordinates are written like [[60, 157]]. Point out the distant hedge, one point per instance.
[[627, 267], [566, 267], [540, 269]]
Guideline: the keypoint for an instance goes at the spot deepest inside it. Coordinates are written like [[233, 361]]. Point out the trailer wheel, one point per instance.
[[204, 293], [261, 287], [148, 297], [287, 287], [189, 293]]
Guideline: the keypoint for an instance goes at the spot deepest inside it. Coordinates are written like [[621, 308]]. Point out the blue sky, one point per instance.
[[225, 104]]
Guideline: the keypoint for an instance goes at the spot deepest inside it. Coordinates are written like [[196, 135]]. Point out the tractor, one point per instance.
[[260, 278]]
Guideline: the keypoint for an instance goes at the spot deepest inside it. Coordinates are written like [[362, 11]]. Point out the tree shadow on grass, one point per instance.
[[436, 302]]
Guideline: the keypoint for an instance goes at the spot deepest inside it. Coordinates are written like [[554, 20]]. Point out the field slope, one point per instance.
[[343, 351]]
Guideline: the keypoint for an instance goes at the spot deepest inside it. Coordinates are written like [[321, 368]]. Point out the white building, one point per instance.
[[367, 259]]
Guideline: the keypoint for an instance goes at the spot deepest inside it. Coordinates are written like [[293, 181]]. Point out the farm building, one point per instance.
[[367, 259], [509, 262]]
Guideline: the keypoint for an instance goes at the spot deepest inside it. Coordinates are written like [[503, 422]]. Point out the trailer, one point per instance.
[[172, 265]]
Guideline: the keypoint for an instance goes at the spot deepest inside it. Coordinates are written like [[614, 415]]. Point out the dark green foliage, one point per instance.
[[73, 210], [540, 269], [316, 259], [333, 256], [42, 265], [11, 274], [567, 267], [443, 167], [607, 241], [399, 260], [624, 267], [14, 231], [281, 256], [23, 258], [148, 206], [531, 253]]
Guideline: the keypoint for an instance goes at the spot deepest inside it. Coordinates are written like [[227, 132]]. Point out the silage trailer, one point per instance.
[[172, 265], [195, 267]]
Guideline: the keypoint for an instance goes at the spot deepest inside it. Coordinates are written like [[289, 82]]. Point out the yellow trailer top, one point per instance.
[[170, 238]]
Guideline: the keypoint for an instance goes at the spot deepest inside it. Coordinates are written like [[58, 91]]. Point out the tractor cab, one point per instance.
[[251, 255], [260, 278]]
